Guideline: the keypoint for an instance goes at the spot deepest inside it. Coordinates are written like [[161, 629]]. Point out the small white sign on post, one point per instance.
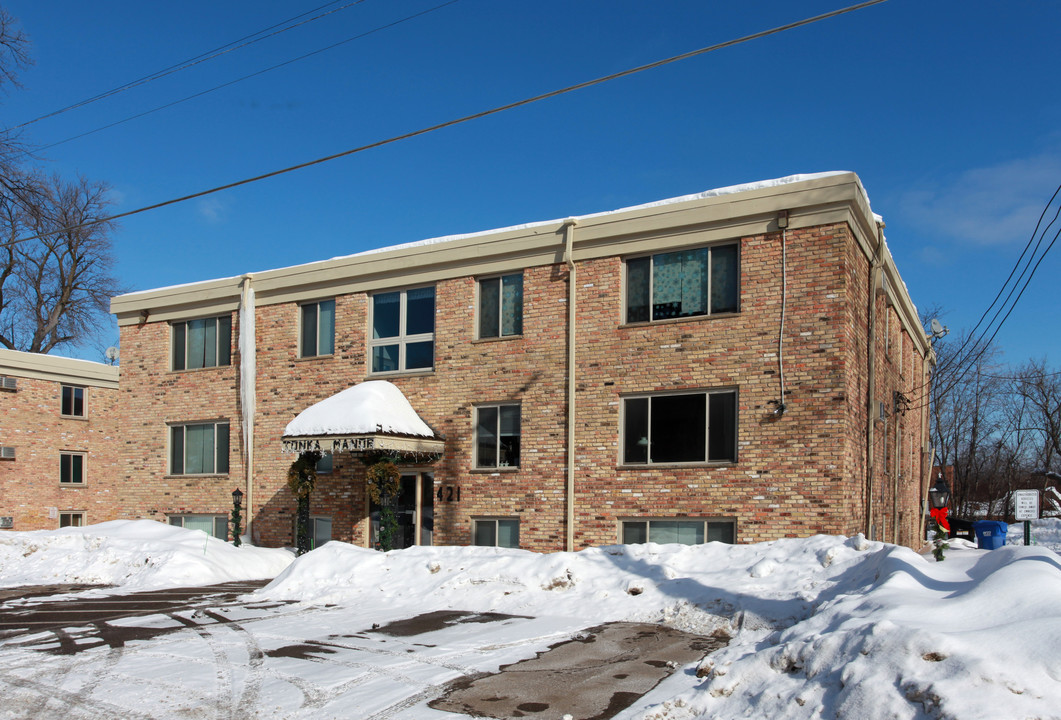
[[1026, 504]]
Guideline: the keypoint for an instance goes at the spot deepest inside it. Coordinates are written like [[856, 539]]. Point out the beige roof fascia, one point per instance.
[[835, 198], [14, 363]]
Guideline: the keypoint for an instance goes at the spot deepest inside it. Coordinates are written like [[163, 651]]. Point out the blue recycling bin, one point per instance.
[[990, 534]]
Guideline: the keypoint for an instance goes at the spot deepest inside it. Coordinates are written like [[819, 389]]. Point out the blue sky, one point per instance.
[[947, 110]]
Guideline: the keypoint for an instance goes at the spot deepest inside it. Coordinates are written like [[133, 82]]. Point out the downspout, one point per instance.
[[928, 454], [874, 281], [569, 239], [247, 383], [897, 471]]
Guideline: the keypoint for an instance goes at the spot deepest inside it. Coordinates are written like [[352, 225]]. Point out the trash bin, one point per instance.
[[990, 535]]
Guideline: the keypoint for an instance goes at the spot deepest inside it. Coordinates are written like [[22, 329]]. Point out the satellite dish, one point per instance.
[[111, 353], [938, 330]]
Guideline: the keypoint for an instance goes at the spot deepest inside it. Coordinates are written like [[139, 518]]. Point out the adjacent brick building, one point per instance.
[[740, 365], [58, 441]]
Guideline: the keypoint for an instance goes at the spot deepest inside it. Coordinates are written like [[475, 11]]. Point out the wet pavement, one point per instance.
[[208, 652], [75, 624], [604, 670]]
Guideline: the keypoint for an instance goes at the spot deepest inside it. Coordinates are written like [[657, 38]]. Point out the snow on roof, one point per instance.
[[716, 192], [375, 406]]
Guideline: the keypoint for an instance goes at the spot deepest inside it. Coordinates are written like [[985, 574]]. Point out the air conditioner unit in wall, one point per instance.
[[8, 383], [7, 453]]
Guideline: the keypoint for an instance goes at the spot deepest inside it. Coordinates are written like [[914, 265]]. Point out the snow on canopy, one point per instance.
[[375, 406]]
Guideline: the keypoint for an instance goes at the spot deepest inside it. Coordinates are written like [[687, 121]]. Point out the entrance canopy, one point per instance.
[[373, 415]]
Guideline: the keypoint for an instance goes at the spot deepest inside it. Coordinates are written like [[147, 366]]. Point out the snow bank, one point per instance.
[[698, 588], [133, 554], [819, 627]]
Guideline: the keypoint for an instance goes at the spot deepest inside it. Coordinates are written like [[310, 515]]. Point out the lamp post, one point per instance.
[[237, 517], [938, 500]]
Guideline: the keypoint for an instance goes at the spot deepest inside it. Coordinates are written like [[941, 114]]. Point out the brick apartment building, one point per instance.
[[739, 365], [58, 441]]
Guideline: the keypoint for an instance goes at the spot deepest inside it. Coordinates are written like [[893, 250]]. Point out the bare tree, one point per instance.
[[56, 287], [55, 253], [1040, 389], [968, 423]]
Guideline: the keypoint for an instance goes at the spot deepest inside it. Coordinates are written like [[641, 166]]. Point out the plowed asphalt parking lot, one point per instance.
[[214, 652]]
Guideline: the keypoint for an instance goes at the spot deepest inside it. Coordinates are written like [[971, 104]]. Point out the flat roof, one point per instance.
[[14, 363]]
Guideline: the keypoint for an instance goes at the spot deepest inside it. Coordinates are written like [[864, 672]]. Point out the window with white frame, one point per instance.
[[501, 306], [685, 531], [497, 434], [684, 283], [71, 468], [403, 330], [199, 449], [317, 328], [496, 532], [686, 427], [71, 519], [213, 525], [73, 401], [202, 343]]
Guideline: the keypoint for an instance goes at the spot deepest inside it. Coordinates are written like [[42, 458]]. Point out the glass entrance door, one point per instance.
[[413, 510]]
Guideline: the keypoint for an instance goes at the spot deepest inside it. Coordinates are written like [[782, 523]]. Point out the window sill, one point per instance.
[[671, 321], [311, 358], [677, 465], [196, 477], [71, 485], [504, 470], [197, 370], [503, 338], [403, 373], [83, 418]]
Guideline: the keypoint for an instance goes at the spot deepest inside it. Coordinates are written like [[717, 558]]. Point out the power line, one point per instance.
[[957, 358], [191, 62], [458, 121], [978, 346], [254, 74]]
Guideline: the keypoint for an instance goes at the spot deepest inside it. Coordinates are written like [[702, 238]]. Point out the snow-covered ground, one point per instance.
[[819, 627]]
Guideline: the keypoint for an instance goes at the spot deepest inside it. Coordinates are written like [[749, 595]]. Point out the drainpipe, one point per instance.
[[874, 281], [569, 239], [247, 382], [897, 471], [928, 453]]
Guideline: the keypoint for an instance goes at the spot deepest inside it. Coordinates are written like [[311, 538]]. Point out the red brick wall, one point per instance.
[[31, 422], [152, 398], [797, 474]]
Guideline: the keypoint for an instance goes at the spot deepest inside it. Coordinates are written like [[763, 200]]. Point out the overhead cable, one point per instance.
[[457, 121], [191, 62]]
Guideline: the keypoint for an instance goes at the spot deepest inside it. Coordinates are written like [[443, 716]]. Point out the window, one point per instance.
[[326, 464], [73, 404], [497, 436], [317, 329], [320, 531], [496, 532], [685, 531], [71, 519], [214, 525], [403, 330], [680, 428], [501, 306], [202, 343], [200, 449], [71, 468], [686, 283]]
